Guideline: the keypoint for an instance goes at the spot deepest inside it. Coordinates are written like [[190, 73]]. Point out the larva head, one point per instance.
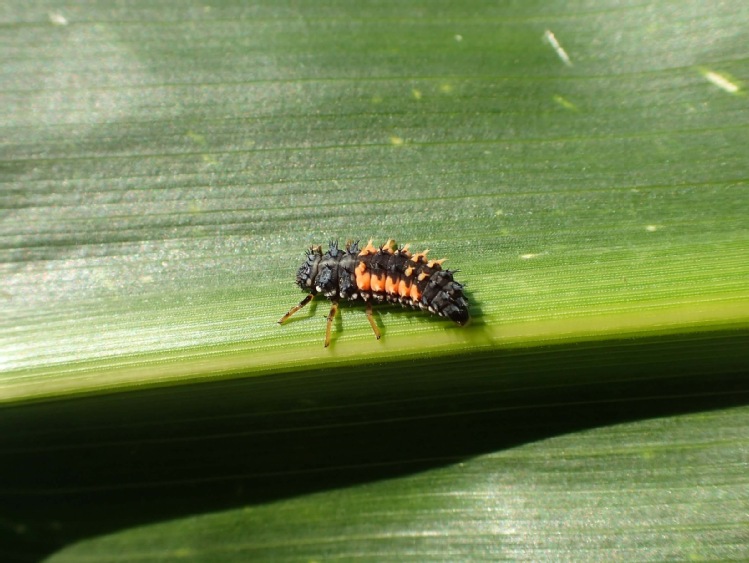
[[307, 272]]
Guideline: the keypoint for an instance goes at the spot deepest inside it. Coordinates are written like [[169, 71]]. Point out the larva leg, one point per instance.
[[331, 316], [293, 310], [371, 320]]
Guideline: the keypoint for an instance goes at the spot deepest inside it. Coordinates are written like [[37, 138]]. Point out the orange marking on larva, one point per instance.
[[433, 263], [389, 247], [404, 288], [421, 256], [378, 283], [423, 276], [409, 271], [415, 293], [362, 277], [405, 248], [402, 252], [391, 285], [369, 249]]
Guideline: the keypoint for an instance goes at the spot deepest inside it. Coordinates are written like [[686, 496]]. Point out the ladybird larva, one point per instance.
[[375, 275]]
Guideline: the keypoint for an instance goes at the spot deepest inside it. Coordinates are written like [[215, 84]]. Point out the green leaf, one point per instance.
[[519, 503], [164, 167], [574, 451]]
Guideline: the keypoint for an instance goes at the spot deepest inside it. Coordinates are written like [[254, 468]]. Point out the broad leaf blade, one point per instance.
[[610, 492], [163, 169]]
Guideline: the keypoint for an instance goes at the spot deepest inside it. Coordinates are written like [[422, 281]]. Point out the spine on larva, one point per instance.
[[385, 274]]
